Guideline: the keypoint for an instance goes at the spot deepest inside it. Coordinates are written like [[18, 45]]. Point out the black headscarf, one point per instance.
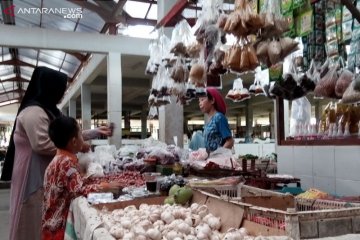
[[45, 89]]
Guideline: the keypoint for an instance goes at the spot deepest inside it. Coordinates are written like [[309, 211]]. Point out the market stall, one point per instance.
[[223, 206]]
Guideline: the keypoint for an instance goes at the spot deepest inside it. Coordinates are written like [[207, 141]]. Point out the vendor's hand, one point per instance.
[[106, 130], [85, 148]]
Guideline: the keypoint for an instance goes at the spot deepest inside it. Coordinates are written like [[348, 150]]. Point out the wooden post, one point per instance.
[[280, 135], [292, 227]]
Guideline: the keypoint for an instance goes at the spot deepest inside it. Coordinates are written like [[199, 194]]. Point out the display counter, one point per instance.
[[332, 168], [323, 142]]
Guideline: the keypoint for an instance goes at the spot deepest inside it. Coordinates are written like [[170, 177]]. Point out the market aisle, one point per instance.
[[4, 213]]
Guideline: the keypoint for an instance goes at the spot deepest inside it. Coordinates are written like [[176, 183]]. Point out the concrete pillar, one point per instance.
[[286, 118], [238, 125], [114, 95], [72, 108], [144, 123], [272, 124], [86, 106], [171, 116], [171, 119], [249, 119], [127, 117]]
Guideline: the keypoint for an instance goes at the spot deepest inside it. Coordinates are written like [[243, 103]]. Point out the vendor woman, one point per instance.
[[216, 131]]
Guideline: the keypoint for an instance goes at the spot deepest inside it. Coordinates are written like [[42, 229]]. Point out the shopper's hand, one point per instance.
[[85, 148], [111, 186], [106, 130]]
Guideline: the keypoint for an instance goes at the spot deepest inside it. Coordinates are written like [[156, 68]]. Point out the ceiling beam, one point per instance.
[[40, 38], [15, 79], [88, 75], [79, 56], [174, 12], [140, 21], [92, 7], [12, 91], [17, 62]]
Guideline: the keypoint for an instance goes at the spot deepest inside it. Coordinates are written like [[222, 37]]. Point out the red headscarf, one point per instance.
[[219, 104]]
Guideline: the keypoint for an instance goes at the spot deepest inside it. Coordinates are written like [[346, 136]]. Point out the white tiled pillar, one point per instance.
[[72, 108], [286, 118], [171, 124], [86, 106], [114, 95], [171, 116]]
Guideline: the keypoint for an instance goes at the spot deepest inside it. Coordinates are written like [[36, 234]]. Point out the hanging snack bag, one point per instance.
[[238, 93], [343, 82], [234, 58], [351, 95], [288, 45], [326, 85], [274, 52], [196, 75]]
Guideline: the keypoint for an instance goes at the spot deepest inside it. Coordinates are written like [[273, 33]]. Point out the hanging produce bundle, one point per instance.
[[292, 85], [256, 87], [238, 93], [273, 51], [326, 85], [181, 39], [242, 21]]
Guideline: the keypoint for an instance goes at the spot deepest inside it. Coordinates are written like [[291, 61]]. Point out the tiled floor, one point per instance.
[[4, 213]]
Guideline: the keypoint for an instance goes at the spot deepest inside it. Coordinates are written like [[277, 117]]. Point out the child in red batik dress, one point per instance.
[[62, 181]]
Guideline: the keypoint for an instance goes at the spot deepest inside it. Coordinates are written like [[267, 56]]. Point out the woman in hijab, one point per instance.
[[31, 150], [216, 131]]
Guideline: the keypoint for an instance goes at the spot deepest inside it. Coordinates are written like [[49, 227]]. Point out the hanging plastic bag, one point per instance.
[[155, 58], [288, 45], [256, 88], [351, 95], [238, 93], [313, 73], [180, 38], [326, 85], [153, 113], [274, 52], [164, 43], [253, 60], [343, 82], [300, 114], [179, 72], [217, 67], [234, 58]]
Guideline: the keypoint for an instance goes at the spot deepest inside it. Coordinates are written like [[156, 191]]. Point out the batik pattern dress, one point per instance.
[[216, 132], [62, 184]]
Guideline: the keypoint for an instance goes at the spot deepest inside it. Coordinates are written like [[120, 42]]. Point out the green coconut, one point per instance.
[[183, 195], [169, 200], [173, 190]]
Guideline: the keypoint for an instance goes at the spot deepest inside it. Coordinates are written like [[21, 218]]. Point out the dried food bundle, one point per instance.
[[197, 74], [238, 93], [343, 82], [326, 85], [193, 50], [351, 95]]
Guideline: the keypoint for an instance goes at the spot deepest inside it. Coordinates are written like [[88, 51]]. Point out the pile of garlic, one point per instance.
[[171, 222], [155, 222]]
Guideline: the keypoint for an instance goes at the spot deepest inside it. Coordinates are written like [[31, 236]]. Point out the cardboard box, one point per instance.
[[231, 214]]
